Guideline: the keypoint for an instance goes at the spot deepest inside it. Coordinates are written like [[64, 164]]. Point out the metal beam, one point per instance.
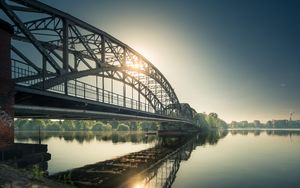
[[24, 30], [65, 52], [53, 112], [75, 21], [112, 63], [30, 63]]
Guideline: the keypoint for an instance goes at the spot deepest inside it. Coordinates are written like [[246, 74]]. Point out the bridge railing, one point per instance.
[[20, 69], [83, 90], [79, 89]]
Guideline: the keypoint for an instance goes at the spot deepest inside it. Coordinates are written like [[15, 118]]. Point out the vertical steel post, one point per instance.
[[132, 97], [112, 91], [75, 88], [124, 77], [103, 89], [139, 91], [44, 71], [103, 61], [97, 89], [124, 94], [65, 52], [161, 96], [84, 90]]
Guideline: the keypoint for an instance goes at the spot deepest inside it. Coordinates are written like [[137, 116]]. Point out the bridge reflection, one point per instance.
[[153, 167], [164, 173]]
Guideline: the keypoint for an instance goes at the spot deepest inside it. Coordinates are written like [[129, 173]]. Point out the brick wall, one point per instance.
[[6, 87]]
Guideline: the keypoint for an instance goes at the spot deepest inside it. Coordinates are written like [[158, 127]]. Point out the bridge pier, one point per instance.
[[6, 87]]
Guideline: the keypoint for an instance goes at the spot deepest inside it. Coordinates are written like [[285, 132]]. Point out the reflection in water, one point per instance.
[[80, 137], [270, 132], [157, 164], [164, 174], [153, 167], [267, 158]]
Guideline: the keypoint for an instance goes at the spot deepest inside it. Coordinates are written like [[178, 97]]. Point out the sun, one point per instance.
[[138, 186]]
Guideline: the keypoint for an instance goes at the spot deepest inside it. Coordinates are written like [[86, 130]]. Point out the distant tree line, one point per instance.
[[274, 124], [82, 125], [257, 132], [212, 121]]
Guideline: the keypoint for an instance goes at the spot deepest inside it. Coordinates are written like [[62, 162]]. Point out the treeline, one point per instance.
[[209, 121], [274, 124], [204, 121], [82, 125]]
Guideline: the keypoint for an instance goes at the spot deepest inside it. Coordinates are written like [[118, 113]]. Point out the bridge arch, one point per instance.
[[74, 49]]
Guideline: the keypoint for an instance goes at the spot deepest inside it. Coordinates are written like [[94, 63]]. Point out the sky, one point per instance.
[[237, 58]]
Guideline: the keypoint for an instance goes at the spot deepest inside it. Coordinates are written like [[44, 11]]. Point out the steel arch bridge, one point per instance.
[[72, 67]]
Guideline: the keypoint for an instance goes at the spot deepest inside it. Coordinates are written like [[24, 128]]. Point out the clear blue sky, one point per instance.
[[238, 58]]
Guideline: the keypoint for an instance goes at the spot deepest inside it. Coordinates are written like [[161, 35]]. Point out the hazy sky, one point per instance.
[[240, 59]]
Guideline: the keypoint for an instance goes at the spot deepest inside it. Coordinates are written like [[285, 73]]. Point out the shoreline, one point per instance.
[[11, 177]]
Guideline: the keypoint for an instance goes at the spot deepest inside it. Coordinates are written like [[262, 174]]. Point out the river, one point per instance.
[[227, 158]]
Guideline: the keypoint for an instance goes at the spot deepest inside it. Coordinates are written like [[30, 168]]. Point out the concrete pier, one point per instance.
[[6, 87]]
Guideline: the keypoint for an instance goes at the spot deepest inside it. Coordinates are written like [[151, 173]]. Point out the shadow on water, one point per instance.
[[153, 167]]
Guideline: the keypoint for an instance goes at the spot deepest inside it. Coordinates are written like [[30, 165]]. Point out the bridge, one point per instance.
[[54, 65]]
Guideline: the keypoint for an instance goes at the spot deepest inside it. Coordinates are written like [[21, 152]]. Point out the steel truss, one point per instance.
[[72, 49]]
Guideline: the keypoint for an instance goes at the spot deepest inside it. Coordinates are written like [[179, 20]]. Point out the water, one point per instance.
[[75, 149], [268, 158], [245, 159]]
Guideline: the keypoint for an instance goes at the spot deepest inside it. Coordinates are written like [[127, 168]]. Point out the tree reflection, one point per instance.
[[159, 163], [81, 137], [268, 132]]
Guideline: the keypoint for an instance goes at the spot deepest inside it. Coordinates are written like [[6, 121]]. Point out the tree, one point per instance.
[[123, 127], [21, 124], [214, 115], [68, 125], [257, 123], [200, 119]]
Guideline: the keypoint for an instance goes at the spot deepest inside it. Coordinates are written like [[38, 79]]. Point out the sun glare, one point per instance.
[[138, 186], [134, 65]]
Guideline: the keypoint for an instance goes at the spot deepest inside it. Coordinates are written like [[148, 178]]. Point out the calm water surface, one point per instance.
[[221, 159], [245, 159], [75, 149]]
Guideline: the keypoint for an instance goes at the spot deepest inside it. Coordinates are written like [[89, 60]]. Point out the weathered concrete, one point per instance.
[[6, 87]]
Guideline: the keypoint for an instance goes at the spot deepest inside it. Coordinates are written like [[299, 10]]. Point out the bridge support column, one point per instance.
[[6, 87]]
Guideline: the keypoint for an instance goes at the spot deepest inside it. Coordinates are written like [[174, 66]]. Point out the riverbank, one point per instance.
[[11, 177]]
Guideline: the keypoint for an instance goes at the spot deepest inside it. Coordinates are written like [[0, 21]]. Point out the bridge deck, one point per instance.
[[32, 103]]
